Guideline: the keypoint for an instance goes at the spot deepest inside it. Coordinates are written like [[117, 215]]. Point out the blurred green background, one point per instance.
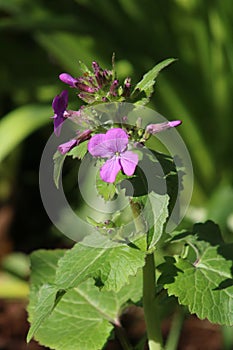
[[40, 39]]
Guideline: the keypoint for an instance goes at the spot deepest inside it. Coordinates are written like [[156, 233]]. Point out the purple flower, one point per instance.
[[102, 77], [85, 84], [67, 146], [113, 145], [68, 79], [81, 136], [113, 87], [127, 87], [60, 103], [155, 128]]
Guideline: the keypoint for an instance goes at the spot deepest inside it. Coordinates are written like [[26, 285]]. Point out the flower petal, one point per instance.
[[128, 161], [110, 169], [60, 102], [116, 139], [155, 128], [67, 146], [98, 147], [57, 122], [67, 79]]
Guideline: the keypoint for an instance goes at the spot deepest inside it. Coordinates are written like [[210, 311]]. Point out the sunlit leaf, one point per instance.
[[91, 310], [205, 285]]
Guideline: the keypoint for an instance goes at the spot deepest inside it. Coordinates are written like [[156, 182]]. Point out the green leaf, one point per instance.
[[148, 80], [45, 303], [58, 160], [159, 208], [108, 190], [42, 293], [20, 123], [79, 151], [84, 316], [84, 68], [205, 285], [111, 265]]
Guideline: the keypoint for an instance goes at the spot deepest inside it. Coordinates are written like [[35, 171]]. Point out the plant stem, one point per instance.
[[175, 330], [150, 305], [122, 337]]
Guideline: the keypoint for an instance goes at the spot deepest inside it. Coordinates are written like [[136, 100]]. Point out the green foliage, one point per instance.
[[203, 281], [79, 151], [159, 211], [146, 85], [108, 190], [111, 265], [58, 160], [93, 311]]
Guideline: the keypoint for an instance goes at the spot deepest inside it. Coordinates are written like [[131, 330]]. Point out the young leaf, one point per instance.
[[79, 151], [84, 68], [148, 80], [58, 160], [106, 190]]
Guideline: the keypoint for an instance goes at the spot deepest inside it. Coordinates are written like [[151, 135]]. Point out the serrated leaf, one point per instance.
[[112, 265], [106, 190], [148, 80], [79, 151], [58, 160], [205, 286], [83, 318], [45, 303], [201, 236]]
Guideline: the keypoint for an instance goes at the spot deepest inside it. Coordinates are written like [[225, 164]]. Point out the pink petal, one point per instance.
[[129, 161], [67, 79], [98, 147], [117, 140], [155, 128], [175, 123], [110, 169], [67, 146]]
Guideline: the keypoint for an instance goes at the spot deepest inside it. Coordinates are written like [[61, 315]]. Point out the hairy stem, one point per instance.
[[150, 305]]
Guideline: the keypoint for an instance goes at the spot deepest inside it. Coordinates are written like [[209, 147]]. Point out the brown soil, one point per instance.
[[196, 334]]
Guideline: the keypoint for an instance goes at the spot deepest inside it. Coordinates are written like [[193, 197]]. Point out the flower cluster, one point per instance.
[[99, 86]]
